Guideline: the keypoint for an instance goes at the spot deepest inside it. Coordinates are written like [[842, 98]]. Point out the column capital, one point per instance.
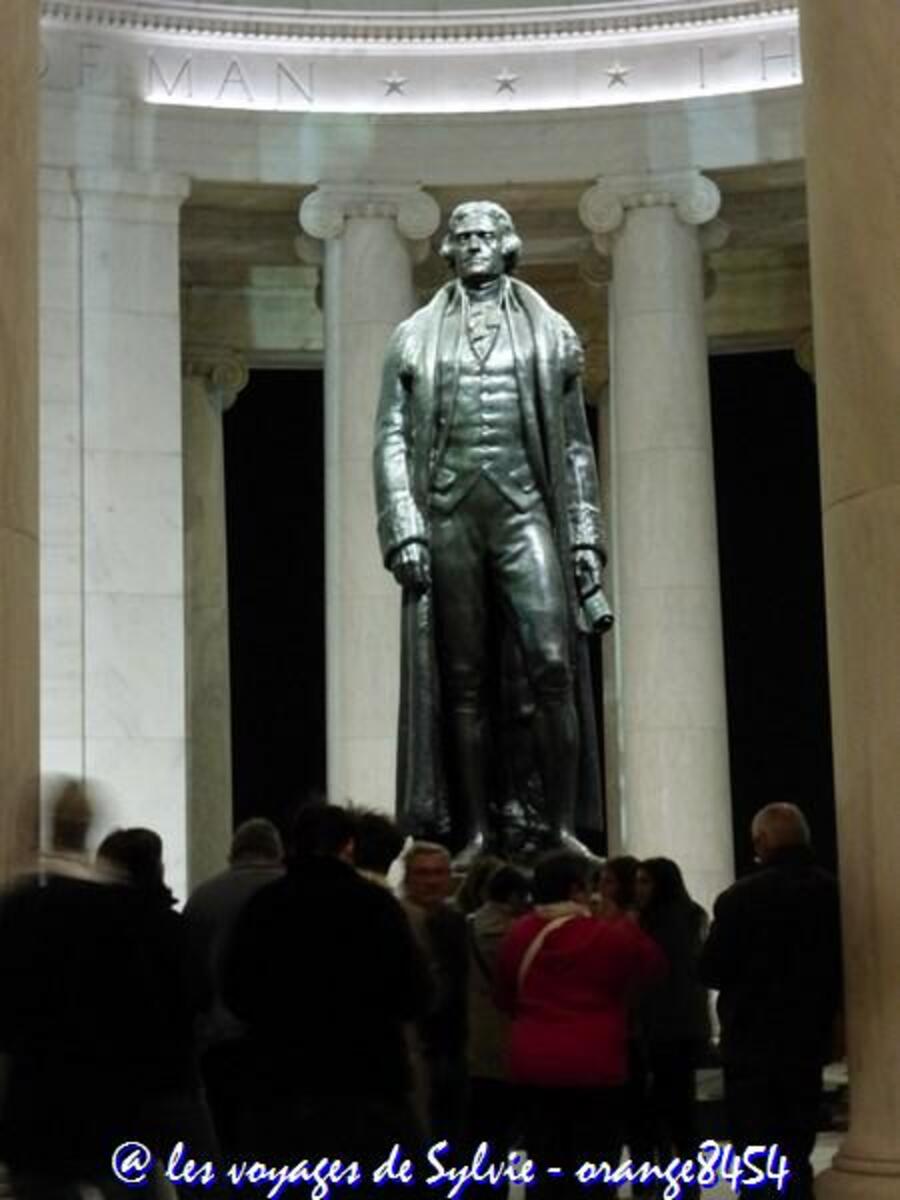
[[130, 195], [603, 208], [222, 372], [324, 211]]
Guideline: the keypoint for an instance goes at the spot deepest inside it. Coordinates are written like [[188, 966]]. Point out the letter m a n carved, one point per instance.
[[157, 82]]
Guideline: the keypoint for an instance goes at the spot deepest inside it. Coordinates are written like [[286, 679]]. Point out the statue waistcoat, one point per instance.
[[486, 437]]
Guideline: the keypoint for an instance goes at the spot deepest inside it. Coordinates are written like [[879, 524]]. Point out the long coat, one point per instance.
[[774, 954], [420, 380]]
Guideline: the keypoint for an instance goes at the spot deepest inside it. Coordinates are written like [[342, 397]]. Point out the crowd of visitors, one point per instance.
[[298, 1008]]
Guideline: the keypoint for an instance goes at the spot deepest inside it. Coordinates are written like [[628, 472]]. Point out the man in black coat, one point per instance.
[[324, 970], [774, 953], [95, 1026]]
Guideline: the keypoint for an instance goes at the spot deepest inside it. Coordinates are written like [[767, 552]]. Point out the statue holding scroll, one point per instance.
[[489, 519]]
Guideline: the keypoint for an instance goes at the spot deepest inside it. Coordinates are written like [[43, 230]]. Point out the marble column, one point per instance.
[[212, 381], [594, 272], [131, 478], [853, 165], [610, 716], [671, 749], [369, 236], [61, 506], [18, 432]]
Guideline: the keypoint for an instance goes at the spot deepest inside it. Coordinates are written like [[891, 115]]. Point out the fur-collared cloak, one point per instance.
[[420, 380]]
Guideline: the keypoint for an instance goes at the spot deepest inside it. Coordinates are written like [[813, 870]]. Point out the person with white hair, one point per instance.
[[774, 954], [441, 1033]]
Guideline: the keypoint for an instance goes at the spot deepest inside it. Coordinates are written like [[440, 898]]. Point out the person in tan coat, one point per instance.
[[492, 1108]]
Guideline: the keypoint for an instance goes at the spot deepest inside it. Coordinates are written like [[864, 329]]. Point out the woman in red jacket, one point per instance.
[[567, 977]]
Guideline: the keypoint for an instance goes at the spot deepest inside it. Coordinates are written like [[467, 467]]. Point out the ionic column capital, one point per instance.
[[695, 198], [324, 211], [224, 373]]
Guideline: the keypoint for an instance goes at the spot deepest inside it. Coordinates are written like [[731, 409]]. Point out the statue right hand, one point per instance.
[[411, 567]]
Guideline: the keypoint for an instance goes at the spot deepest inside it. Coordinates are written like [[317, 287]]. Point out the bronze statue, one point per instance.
[[489, 518]]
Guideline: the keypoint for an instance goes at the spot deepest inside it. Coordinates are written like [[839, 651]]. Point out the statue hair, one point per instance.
[[510, 242]]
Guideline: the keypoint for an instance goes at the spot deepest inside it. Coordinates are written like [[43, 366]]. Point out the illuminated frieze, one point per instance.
[[366, 75]]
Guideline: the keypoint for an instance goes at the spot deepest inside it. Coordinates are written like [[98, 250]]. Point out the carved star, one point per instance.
[[506, 81], [617, 74], [394, 84]]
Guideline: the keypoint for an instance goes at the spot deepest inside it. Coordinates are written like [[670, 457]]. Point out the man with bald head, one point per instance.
[[774, 953], [776, 826]]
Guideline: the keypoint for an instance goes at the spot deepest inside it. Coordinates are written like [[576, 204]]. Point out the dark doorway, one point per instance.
[[274, 471], [773, 603]]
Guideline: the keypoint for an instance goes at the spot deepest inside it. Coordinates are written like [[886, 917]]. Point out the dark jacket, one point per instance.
[[441, 934], [323, 969], [209, 917], [95, 1019], [774, 953], [676, 1009]]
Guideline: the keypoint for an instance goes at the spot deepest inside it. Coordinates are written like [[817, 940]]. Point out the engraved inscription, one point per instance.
[[183, 78], [234, 77], [767, 57], [285, 77]]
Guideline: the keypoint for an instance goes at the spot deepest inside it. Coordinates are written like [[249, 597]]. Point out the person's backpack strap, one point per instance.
[[535, 947]]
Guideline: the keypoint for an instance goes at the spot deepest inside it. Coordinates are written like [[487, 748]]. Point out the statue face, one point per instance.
[[476, 247]]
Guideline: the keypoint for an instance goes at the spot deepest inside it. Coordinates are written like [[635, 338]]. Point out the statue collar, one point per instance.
[[460, 297]]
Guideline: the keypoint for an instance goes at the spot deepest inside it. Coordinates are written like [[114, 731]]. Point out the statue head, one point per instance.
[[481, 242]]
